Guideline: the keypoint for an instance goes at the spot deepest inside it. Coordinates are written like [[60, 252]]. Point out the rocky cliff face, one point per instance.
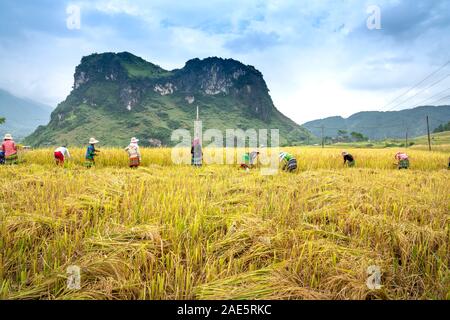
[[216, 76], [208, 77], [130, 94]]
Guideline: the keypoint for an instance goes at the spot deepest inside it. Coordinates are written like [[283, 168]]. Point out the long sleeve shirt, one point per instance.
[[287, 157], [348, 157], [285, 160], [249, 158], [402, 156], [64, 151], [9, 148], [90, 152], [133, 151]]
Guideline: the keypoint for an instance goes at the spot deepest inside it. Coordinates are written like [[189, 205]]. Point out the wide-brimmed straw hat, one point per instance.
[[134, 140], [8, 136], [344, 153], [93, 141]]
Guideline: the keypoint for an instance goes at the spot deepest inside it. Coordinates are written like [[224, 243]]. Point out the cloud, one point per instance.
[[409, 19], [253, 41], [318, 57], [113, 7]]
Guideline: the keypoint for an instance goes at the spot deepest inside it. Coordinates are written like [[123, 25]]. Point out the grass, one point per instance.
[[175, 232], [439, 142], [436, 138]]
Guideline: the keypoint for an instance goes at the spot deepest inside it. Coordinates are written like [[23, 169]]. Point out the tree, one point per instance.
[[342, 136], [358, 137], [328, 140], [2, 120], [442, 128]]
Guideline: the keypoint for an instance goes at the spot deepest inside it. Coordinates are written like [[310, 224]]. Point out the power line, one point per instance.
[[403, 124], [443, 98], [420, 91], [397, 125], [437, 94], [356, 127], [418, 84]]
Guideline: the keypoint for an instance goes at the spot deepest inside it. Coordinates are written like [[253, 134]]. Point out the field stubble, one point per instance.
[[175, 232]]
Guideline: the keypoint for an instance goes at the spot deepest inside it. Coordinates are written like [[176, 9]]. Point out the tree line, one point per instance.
[[442, 127], [344, 136]]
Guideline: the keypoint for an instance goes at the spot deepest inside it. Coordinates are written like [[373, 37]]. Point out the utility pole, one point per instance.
[[323, 142], [406, 138], [429, 138], [198, 127]]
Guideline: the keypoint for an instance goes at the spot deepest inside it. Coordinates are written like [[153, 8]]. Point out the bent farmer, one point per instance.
[[197, 153], [61, 154], [249, 160], [402, 160], [134, 155], [348, 159], [9, 149], [288, 162], [91, 152]]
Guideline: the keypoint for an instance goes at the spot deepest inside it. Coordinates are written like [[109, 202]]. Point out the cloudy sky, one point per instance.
[[319, 58]]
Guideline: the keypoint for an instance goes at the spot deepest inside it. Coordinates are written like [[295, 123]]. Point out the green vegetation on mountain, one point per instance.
[[377, 125], [442, 128], [116, 96], [438, 138], [344, 136]]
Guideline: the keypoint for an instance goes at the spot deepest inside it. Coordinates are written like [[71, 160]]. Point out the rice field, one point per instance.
[[166, 231]]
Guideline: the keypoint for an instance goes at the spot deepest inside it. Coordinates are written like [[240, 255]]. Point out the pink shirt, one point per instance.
[[402, 156], [9, 148]]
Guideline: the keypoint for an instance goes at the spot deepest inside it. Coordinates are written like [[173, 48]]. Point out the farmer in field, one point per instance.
[[9, 149], [249, 160], [61, 153], [348, 159], [91, 152], [288, 162], [134, 154], [196, 153], [402, 160]]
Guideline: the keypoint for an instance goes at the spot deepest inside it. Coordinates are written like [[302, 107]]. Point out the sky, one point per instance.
[[319, 58]]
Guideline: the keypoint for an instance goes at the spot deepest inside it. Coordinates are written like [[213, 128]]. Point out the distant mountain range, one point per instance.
[[380, 125], [22, 115], [117, 96]]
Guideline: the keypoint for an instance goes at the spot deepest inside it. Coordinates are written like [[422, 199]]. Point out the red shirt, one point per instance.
[[9, 148]]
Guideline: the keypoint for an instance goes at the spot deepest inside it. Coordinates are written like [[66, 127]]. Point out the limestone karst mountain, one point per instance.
[[116, 96]]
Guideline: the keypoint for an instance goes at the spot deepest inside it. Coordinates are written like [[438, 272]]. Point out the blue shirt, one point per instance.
[[90, 152]]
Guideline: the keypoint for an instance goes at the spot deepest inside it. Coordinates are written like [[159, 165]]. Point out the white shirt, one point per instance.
[[64, 151], [133, 150]]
